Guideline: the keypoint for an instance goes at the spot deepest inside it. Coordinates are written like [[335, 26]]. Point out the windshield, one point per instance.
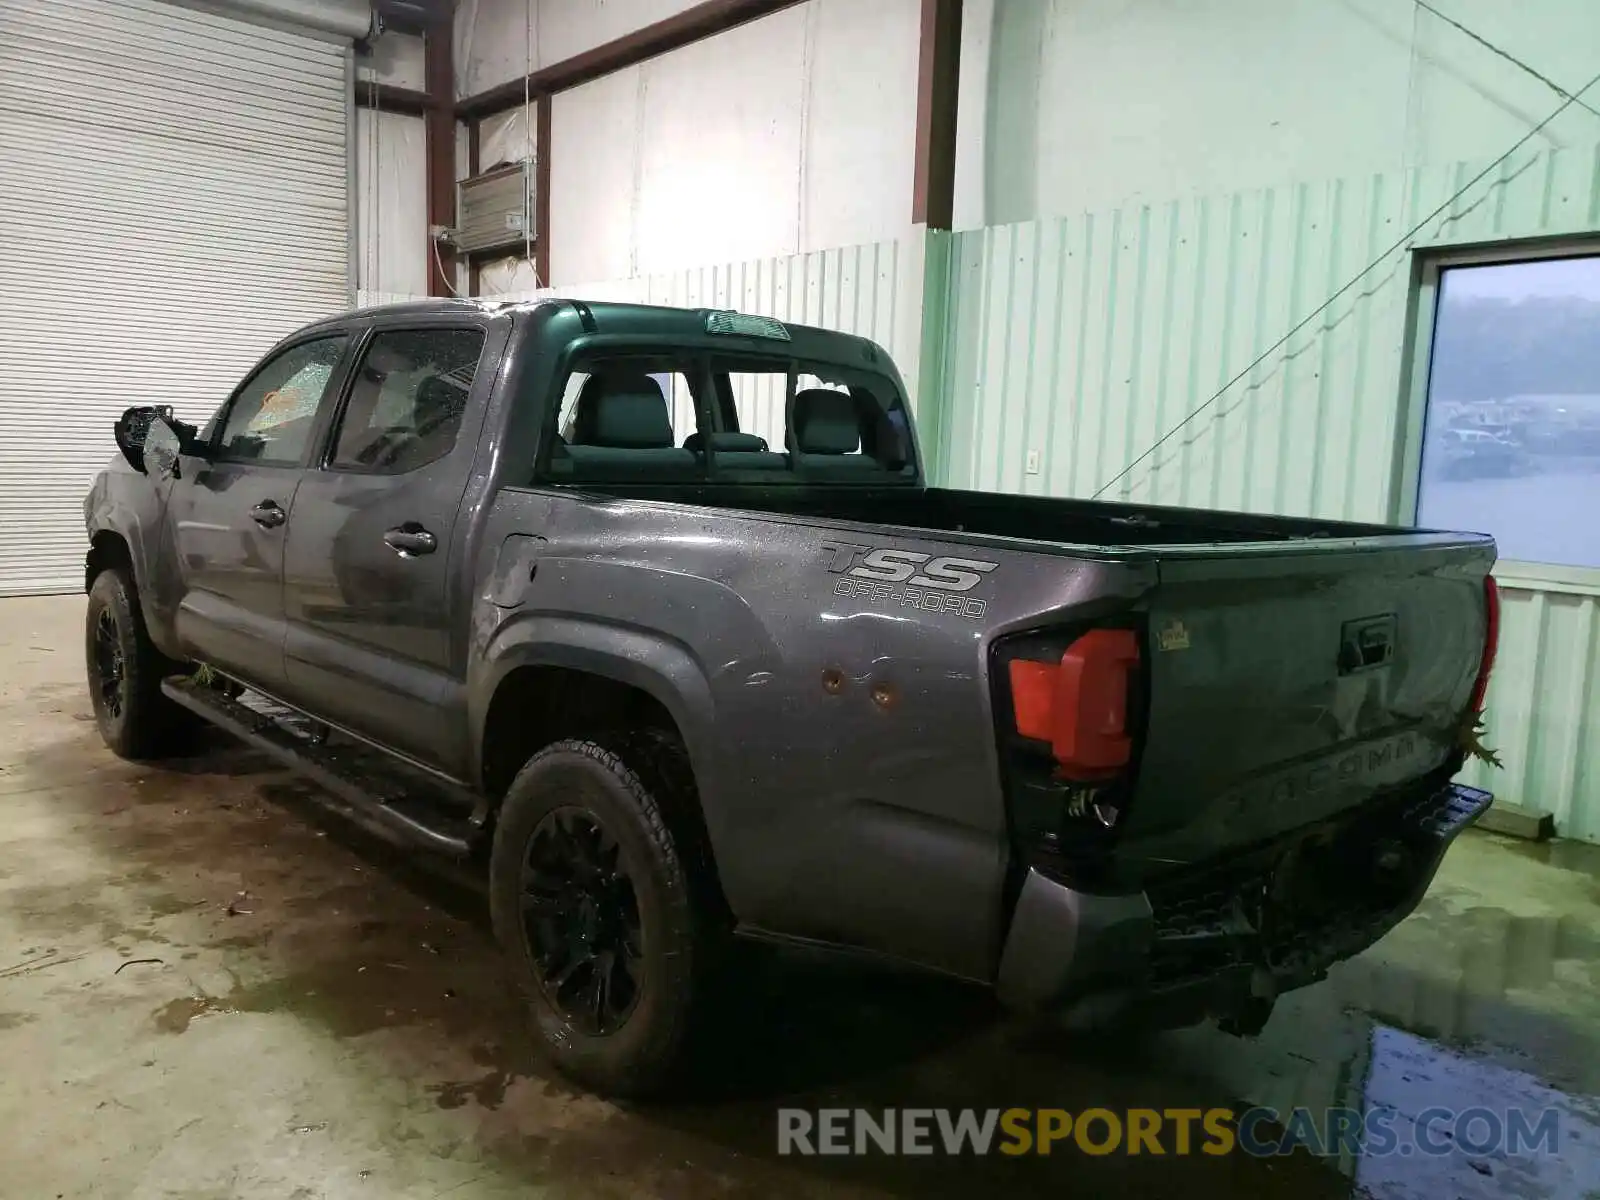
[[691, 416]]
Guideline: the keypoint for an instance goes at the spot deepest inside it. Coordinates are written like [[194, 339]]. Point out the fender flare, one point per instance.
[[119, 519], [659, 666]]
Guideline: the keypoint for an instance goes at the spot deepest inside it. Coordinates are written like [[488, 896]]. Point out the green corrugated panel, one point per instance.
[[1543, 709], [1084, 339]]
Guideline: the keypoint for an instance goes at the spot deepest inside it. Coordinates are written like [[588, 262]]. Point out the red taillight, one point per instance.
[[1491, 642], [1080, 705]]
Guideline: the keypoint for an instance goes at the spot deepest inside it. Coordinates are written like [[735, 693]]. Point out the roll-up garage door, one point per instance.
[[173, 199]]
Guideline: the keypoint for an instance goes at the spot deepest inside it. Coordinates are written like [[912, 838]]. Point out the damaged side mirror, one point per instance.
[[131, 430], [147, 432], [162, 445]]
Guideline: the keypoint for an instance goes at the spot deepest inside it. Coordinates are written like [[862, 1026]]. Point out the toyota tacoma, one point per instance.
[[651, 615]]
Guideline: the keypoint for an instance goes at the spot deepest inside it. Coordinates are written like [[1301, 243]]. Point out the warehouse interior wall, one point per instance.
[[391, 203], [1201, 216], [788, 134], [1074, 106], [389, 161], [508, 137], [497, 39], [395, 58]]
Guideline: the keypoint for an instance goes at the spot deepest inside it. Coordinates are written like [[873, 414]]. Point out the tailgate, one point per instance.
[[1289, 682]]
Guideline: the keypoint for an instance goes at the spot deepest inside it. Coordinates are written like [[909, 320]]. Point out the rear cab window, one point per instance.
[[626, 416]]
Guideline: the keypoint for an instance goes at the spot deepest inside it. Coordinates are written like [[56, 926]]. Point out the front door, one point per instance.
[[370, 618], [228, 511]]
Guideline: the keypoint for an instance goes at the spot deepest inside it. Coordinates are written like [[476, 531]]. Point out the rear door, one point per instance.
[[228, 510], [1288, 682], [375, 641]]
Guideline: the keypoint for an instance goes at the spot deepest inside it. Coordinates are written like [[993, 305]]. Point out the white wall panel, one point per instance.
[[395, 58], [789, 134], [594, 148], [1098, 104], [496, 40], [860, 121], [507, 137], [391, 202], [508, 277], [719, 151]]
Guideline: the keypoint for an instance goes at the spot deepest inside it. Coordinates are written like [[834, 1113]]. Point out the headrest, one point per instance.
[[826, 422], [623, 410], [728, 443], [438, 397]]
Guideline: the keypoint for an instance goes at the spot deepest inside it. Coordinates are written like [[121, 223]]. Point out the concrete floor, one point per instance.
[[209, 989]]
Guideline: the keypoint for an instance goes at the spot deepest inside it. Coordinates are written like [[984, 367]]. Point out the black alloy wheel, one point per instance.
[[580, 914], [110, 668], [605, 900], [124, 669]]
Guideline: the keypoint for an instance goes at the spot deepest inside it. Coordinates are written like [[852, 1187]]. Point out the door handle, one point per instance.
[[268, 515], [410, 540]]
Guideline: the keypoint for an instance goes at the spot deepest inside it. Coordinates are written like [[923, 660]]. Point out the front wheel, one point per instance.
[[609, 935], [124, 671]]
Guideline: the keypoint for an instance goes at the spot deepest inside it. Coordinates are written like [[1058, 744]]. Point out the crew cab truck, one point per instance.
[[651, 613]]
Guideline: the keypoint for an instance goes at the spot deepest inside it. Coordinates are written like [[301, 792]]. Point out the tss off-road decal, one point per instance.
[[932, 583]]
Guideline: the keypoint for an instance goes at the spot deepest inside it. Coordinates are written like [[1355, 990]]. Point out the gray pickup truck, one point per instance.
[[651, 613]]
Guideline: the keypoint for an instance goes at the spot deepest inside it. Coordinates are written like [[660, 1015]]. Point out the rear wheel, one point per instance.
[[125, 671], [610, 935]]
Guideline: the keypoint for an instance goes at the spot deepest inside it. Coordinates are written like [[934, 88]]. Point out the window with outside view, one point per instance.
[[1511, 443]]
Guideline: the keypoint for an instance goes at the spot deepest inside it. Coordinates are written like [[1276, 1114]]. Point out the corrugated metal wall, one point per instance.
[[1086, 339], [1543, 708], [855, 289]]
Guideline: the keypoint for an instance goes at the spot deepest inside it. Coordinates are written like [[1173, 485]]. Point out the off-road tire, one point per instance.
[[136, 720], [639, 790]]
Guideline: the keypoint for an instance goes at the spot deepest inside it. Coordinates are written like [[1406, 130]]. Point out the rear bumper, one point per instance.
[[1244, 927]]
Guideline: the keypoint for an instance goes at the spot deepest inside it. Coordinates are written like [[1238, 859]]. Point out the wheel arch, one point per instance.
[[577, 670], [116, 539]]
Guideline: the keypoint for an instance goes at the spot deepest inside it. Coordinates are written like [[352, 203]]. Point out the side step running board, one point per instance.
[[388, 799]]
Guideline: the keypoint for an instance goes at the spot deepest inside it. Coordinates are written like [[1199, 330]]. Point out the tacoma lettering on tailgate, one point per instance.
[[908, 578]]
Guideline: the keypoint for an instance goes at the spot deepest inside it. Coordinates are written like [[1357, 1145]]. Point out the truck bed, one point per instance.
[[1063, 521], [1291, 668]]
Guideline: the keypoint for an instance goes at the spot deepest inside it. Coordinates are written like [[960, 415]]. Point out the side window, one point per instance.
[[849, 428], [759, 392], [674, 387], [406, 402], [817, 399], [1511, 442], [628, 418], [270, 419]]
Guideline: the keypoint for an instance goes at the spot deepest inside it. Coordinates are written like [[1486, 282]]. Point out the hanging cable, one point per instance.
[[438, 261], [1399, 243], [530, 151], [368, 208], [1507, 55], [377, 184]]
